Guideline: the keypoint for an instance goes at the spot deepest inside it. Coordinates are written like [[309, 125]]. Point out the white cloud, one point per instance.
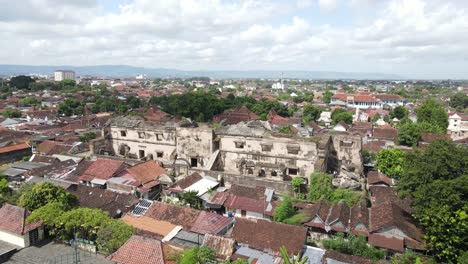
[[404, 36], [328, 4]]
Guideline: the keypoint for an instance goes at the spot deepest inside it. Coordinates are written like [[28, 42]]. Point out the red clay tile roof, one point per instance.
[[189, 180], [381, 241], [366, 98], [106, 200], [339, 213], [147, 171], [395, 97], [139, 250], [174, 214], [210, 223], [49, 147], [270, 236], [391, 215], [156, 115], [359, 215], [377, 177], [12, 219], [102, 169], [385, 132], [340, 96], [429, 137], [242, 114], [374, 146], [14, 148]]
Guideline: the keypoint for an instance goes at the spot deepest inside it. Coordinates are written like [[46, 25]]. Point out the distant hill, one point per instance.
[[131, 71]]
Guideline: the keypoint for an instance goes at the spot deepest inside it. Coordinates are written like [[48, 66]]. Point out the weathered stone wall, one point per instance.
[[195, 143], [268, 152], [280, 187], [348, 148]]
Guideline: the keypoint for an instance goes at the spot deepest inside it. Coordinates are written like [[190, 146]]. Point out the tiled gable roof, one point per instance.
[[223, 246], [391, 215], [102, 169], [103, 199], [14, 148], [376, 177], [189, 180], [269, 236], [139, 250], [12, 219], [210, 223], [385, 132], [147, 171], [174, 214]]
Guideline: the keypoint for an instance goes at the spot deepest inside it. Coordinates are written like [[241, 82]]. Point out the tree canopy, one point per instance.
[[433, 113], [459, 101], [390, 162], [21, 82], [437, 180], [197, 255], [321, 188], [46, 192], [11, 113], [284, 210]]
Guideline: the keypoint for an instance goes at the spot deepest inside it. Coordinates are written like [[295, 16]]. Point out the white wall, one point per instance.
[[22, 241]]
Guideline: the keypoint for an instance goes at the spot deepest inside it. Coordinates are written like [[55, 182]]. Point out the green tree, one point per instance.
[[284, 210], [191, 198], [295, 259], [133, 102], [390, 162], [71, 107], [113, 235], [87, 136], [4, 189], [45, 192], [459, 101], [340, 114], [296, 185], [327, 97], [11, 113], [311, 113], [27, 101], [197, 255], [433, 113], [287, 130], [21, 82], [353, 245], [321, 188], [399, 112], [437, 181]]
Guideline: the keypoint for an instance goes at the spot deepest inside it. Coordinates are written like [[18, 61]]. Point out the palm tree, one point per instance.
[[295, 259]]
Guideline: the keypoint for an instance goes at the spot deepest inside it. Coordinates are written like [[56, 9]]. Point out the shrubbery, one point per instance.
[[353, 245]]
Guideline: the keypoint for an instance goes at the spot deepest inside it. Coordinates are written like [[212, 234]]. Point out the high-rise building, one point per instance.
[[61, 75]]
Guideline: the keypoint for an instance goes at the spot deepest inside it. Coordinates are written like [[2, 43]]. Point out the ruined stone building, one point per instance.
[[249, 149]]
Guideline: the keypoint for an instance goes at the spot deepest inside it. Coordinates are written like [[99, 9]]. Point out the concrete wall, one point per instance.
[[151, 141], [392, 232], [348, 148], [21, 241], [280, 187], [278, 156], [195, 143], [249, 215]]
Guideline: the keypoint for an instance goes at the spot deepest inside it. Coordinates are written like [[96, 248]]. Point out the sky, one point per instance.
[[411, 38]]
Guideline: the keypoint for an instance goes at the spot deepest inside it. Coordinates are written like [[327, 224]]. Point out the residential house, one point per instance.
[[269, 236], [13, 153], [100, 171], [242, 114], [341, 126], [458, 126], [141, 179], [249, 202], [224, 247], [139, 250], [15, 230], [116, 204], [385, 132]]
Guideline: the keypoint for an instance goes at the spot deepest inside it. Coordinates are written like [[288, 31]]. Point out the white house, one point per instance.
[[458, 126], [13, 227]]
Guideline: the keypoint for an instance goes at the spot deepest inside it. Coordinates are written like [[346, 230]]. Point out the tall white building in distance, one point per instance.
[[61, 75]]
